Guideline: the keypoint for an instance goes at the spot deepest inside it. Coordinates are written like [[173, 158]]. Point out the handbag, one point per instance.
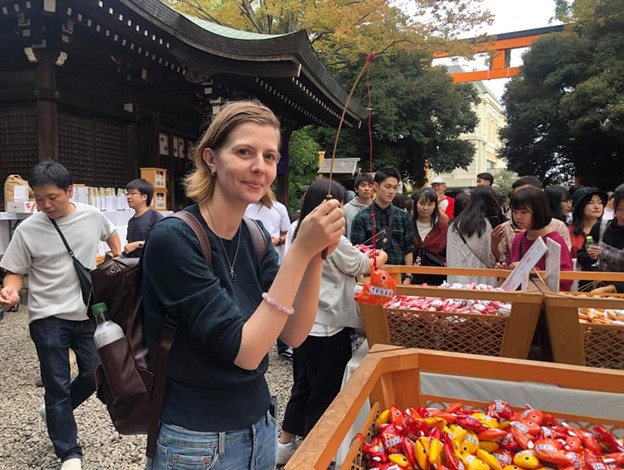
[[426, 257], [385, 232], [429, 259], [84, 274]]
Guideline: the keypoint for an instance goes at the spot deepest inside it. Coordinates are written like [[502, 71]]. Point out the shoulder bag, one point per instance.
[[84, 274]]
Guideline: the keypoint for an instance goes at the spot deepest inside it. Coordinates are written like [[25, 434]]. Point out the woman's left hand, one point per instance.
[[610, 289], [497, 235]]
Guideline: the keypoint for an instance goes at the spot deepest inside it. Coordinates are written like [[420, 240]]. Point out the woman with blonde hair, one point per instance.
[[217, 410]]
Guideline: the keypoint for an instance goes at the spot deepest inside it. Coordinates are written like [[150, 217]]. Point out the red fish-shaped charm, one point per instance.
[[379, 290]]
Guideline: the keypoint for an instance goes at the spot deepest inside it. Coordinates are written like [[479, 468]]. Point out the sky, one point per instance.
[[510, 16]]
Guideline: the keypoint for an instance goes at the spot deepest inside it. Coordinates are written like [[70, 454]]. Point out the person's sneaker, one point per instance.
[[286, 354], [72, 464], [42, 412], [285, 452]]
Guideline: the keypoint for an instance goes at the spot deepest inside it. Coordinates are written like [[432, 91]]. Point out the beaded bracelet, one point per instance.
[[276, 305]]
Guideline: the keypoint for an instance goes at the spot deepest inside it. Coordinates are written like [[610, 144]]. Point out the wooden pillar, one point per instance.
[[150, 156], [132, 151], [46, 108]]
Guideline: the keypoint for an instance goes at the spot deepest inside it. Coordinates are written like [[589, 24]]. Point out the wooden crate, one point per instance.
[[396, 270], [157, 177], [507, 336], [159, 201], [579, 343], [394, 378]]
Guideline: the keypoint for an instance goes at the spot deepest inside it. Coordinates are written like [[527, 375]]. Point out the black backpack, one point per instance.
[[130, 384]]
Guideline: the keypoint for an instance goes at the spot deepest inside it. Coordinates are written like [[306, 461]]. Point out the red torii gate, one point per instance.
[[499, 46]]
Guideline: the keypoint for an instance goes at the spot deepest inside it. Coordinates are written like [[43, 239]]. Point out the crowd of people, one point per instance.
[[217, 409], [475, 229]]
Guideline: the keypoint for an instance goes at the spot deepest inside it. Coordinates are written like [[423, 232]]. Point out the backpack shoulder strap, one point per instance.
[[260, 242], [161, 358], [192, 222]]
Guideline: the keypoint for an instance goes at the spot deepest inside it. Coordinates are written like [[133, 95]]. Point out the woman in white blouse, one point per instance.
[[472, 240]]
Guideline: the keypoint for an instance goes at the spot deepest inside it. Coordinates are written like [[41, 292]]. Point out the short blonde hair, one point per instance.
[[199, 184]]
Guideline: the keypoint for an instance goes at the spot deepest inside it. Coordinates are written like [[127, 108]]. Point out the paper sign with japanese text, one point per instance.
[[553, 264], [528, 262]]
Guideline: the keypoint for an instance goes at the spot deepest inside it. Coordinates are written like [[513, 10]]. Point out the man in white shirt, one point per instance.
[[57, 313], [276, 221]]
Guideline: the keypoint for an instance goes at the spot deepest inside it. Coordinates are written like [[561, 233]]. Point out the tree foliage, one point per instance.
[[418, 113], [303, 159], [343, 30], [503, 179], [566, 111]]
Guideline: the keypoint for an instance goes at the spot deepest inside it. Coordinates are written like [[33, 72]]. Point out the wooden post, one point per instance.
[[46, 108]]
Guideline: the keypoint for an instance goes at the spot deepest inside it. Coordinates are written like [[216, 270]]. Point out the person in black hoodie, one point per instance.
[[608, 252]]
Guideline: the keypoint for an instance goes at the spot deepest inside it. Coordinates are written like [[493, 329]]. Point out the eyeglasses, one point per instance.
[[133, 193]]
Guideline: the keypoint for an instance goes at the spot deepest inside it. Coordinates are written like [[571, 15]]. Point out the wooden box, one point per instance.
[[508, 336], [159, 201], [575, 342], [396, 377], [157, 177]]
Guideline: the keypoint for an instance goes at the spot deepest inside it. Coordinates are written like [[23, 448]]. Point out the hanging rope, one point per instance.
[[364, 68], [370, 162]]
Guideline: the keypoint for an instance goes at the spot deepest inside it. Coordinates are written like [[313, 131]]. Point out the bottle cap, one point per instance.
[[589, 239], [99, 308]]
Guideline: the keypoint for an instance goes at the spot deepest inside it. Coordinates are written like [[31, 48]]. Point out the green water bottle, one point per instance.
[[589, 241]]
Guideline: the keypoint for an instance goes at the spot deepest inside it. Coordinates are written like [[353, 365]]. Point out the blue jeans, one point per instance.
[[253, 448], [53, 337]]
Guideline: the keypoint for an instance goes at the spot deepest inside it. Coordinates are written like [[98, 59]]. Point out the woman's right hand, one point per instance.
[[322, 228], [594, 251]]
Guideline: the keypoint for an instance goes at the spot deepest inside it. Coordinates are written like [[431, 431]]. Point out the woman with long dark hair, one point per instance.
[[319, 362], [461, 202], [560, 202], [473, 237], [429, 235], [607, 254], [588, 206]]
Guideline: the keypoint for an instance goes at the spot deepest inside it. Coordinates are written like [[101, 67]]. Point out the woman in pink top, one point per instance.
[[531, 212]]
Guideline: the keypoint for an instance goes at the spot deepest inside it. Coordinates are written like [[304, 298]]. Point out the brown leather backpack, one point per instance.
[[130, 384]]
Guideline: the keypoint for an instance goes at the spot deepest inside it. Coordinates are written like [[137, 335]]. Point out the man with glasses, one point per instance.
[[140, 194]]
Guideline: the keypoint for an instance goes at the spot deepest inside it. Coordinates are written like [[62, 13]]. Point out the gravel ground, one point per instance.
[[25, 442]]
